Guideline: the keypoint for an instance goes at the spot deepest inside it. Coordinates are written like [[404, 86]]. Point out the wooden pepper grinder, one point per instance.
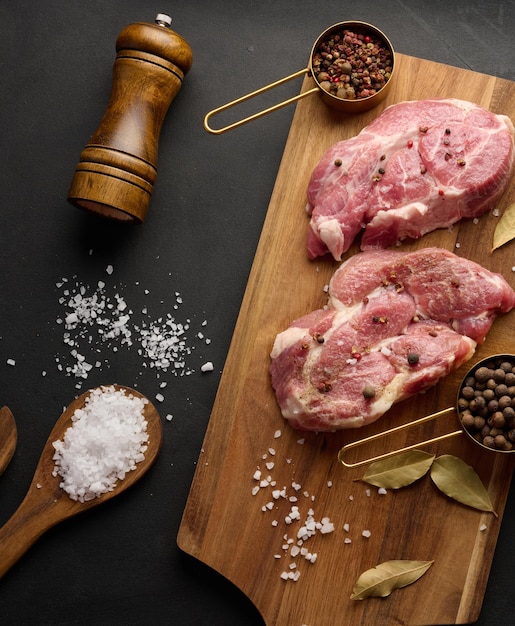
[[118, 167]]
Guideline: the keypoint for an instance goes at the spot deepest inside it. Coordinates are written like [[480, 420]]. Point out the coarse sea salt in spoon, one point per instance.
[[8, 437], [46, 503]]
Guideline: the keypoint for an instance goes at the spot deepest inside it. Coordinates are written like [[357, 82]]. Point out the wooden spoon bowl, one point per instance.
[[46, 504]]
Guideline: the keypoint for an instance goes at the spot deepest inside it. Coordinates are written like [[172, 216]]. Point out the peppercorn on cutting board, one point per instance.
[[237, 526]]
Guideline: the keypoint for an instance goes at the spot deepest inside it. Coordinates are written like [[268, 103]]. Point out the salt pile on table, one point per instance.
[[108, 437]]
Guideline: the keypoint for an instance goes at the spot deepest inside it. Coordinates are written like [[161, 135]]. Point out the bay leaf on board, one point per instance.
[[505, 229], [460, 481], [400, 470], [381, 580]]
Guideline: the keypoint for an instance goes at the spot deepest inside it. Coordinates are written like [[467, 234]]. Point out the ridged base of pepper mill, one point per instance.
[[110, 192]]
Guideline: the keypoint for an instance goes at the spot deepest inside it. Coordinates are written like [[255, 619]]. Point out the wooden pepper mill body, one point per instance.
[[118, 167]]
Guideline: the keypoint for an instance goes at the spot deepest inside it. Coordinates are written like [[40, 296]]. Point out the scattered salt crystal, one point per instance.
[[277, 434], [301, 441], [346, 527], [159, 397], [368, 492], [207, 367], [255, 490], [11, 362], [366, 533], [483, 527], [457, 244], [270, 465], [271, 451], [109, 269], [294, 513], [257, 475], [381, 491], [329, 483], [169, 417], [347, 540], [94, 317], [495, 212], [327, 526]]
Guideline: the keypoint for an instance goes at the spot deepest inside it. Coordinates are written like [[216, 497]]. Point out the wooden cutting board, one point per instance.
[[242, 535]]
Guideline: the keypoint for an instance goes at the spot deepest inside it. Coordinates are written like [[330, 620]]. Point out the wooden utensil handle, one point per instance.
[[22, 530]]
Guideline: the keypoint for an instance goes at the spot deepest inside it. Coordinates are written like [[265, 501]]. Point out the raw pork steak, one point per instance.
[[395, 324], [419, 166]]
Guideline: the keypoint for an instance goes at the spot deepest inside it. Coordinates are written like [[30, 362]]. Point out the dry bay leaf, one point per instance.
[[505, 229], [381, 580], [399, 470], [459, 481]]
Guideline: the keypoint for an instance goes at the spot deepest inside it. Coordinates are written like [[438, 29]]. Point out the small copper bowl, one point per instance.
[[347, 105], [357, 104], [483, 416]]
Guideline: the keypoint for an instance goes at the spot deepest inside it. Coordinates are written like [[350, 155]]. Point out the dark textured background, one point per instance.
[[119, 564]]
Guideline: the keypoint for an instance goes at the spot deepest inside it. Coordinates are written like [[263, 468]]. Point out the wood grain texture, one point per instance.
[[224, 525], [8, 437]]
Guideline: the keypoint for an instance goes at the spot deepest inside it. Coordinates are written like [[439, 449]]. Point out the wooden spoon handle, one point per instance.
[[22, 530], [8, 437]]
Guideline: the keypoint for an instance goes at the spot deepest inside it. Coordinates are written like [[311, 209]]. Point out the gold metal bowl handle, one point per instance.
[[385, 433], [218, 131]]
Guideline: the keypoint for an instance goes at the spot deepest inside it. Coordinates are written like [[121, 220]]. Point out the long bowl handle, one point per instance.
[[253, 94], [361, 442]]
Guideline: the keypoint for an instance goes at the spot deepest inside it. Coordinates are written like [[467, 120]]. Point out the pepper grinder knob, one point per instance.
[[117, 168]]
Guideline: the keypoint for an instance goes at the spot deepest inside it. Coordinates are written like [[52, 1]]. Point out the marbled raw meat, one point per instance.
[[419, 166], [395, 324]]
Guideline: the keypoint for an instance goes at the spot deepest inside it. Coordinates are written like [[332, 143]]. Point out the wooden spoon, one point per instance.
[[8, 437], [46, 504]]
